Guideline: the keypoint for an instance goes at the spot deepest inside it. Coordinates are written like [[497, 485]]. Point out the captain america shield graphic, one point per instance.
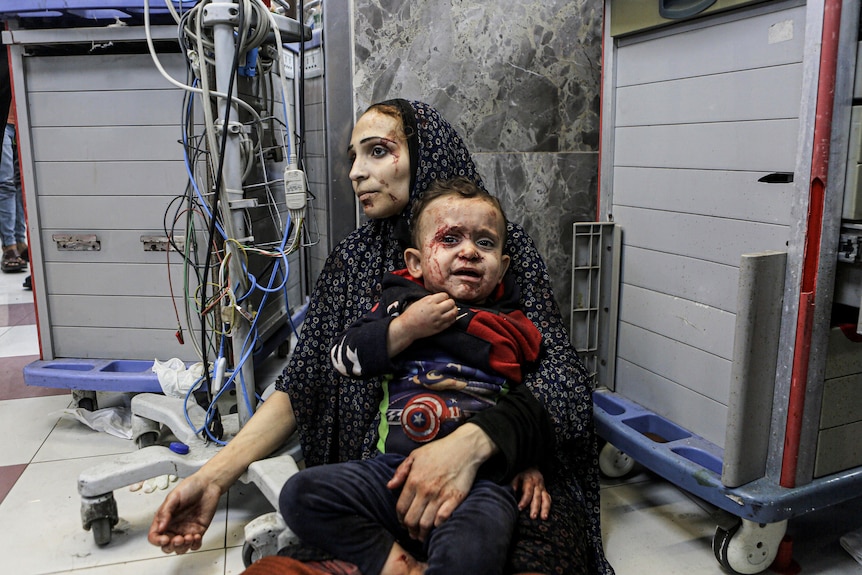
[[422, 416]]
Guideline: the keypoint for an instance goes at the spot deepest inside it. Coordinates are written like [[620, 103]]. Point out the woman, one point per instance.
[[398, 148]]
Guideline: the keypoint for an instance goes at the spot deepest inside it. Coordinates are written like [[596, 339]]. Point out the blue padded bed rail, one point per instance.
[[131, 375], [694, 464], [94, 374]]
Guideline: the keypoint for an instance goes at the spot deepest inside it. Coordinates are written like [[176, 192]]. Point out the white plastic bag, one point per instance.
[[116, 421], [175, 379]]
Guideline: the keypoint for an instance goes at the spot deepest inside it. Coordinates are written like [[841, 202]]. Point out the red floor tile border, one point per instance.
[[12, 384], [9, 474], [17, 314]]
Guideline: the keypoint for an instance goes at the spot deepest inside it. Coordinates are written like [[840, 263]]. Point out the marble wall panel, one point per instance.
[[529, 186], [521, 82]]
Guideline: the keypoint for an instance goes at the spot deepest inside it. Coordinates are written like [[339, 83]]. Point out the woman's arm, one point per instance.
[[521, 429], [437, 476], [559, 382], [186, 513]]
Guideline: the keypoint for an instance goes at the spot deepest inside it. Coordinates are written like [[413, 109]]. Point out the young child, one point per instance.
[[449, 338]]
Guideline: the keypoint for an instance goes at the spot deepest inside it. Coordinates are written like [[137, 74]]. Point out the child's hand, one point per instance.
[[531, 483], [431, 314], [425, 317]]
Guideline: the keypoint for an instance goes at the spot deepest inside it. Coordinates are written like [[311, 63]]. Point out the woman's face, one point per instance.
[[381, 165]]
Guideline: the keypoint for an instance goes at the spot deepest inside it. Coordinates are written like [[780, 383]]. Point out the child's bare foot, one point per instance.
[[400, 562]]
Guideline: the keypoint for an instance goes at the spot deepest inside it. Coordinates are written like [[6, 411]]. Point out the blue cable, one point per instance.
[[247, 349], [269, 289]]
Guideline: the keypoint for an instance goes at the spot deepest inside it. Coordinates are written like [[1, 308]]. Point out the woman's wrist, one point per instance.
[[479, 445], [265, 432], [222, 471]]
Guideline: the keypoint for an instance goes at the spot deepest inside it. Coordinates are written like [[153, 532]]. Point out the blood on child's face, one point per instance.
[[380, 169], [461, 249]]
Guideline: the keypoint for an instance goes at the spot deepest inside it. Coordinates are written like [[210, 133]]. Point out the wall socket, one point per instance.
[[314, 62]]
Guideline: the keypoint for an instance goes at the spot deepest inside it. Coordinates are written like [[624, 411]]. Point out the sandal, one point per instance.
[[11, 262], [23, 251]]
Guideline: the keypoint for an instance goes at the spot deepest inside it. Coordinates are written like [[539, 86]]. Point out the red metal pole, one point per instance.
[[811, 255]]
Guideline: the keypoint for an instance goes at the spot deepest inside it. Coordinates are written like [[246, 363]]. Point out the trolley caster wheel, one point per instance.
[[614, 463], [101, 529], [85, 399], [147, 439], [264, 536], [99, 515], [249, 554], [747, 547]]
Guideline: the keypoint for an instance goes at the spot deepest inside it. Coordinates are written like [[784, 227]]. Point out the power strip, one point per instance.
[[314, 63], [289, 65]]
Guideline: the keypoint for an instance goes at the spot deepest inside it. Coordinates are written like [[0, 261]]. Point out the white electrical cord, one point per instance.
[[287, 108], [169, 78]]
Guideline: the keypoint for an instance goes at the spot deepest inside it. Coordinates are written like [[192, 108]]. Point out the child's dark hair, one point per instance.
[[457, 186]]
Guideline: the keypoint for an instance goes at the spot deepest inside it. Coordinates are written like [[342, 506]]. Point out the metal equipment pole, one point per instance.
[[223, 16]]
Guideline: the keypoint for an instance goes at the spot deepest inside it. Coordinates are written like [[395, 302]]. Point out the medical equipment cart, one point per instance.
[[726, 337], [100, 132], [128, 179]]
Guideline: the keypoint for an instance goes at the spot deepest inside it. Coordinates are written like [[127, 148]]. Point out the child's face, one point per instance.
[[462, 248], [380, 168]]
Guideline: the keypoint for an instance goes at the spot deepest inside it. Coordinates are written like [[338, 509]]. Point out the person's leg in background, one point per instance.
[[18, 233], [20, 216], [12, 227]]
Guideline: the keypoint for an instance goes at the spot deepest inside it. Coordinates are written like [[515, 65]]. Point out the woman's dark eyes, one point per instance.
[[378, 151]]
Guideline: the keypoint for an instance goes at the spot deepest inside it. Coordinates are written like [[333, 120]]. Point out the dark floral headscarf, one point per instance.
[[337, 416]]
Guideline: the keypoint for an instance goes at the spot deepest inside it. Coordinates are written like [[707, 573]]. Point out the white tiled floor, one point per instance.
[[650, 527]]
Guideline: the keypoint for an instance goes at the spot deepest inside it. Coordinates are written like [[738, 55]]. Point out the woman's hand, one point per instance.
[[184, 516], [436, 477], [531, 483], [188, 510]]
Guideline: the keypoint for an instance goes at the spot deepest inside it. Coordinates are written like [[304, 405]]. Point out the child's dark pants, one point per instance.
[[347, 510]]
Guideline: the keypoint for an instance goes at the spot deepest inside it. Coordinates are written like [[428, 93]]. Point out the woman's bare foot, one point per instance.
[[400, 562]]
